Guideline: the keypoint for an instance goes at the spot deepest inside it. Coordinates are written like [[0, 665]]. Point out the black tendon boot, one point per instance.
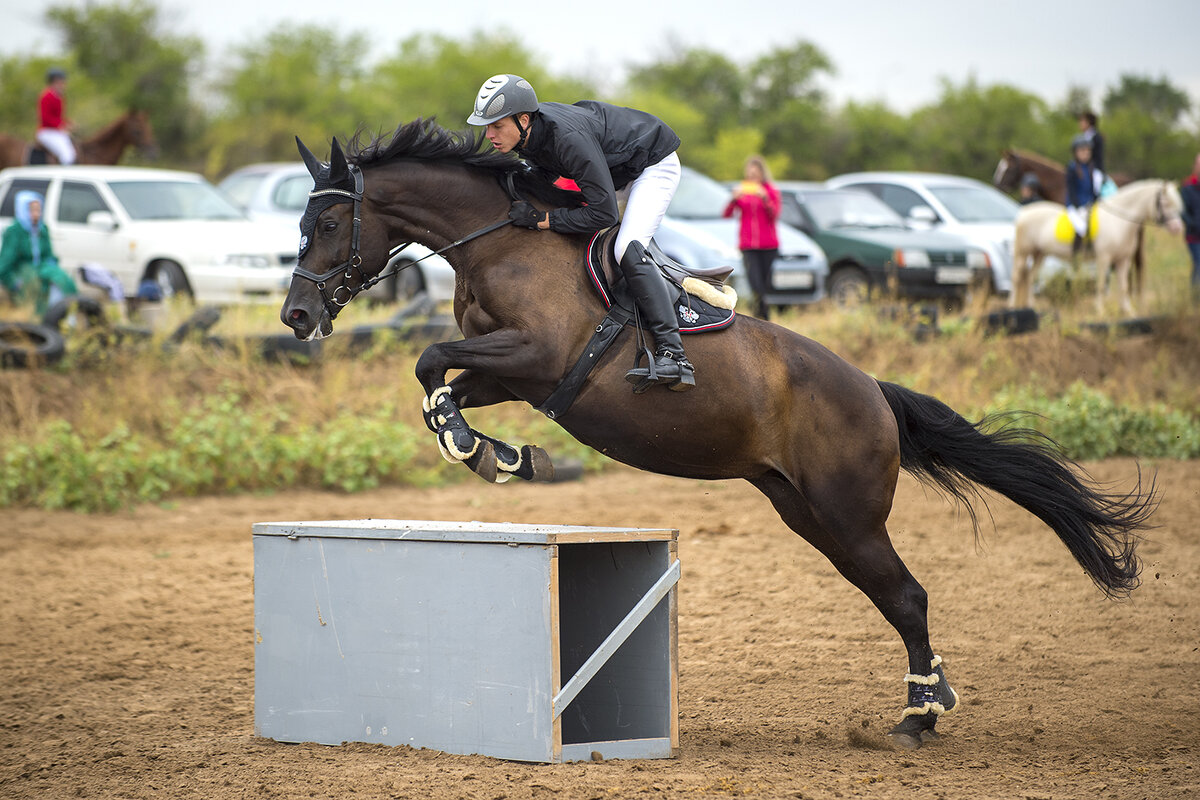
[[654, 303]]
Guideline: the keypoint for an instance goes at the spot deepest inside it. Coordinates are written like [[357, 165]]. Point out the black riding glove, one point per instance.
[[523, 214]]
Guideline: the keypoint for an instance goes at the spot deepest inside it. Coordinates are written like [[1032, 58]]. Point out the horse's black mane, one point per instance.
[[425, 140]]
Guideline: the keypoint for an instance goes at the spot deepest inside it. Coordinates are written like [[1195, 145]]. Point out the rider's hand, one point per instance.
[[524, 215]]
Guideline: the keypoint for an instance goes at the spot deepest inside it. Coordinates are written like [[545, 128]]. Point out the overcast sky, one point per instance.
[[894, 51]]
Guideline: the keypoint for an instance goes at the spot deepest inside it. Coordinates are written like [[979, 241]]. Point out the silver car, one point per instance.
[[972, 209], [278, 192], [799, 273]]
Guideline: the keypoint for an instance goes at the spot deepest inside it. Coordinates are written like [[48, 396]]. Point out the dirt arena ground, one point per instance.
[[126, 655]]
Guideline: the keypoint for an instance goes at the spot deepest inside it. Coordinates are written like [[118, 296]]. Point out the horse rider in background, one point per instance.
[[1084, 182], [1089, 131], [1031, 188], [603, 148], [54, 128]]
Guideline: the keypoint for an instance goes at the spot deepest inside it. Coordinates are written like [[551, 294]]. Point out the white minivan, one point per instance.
[[167, 226]]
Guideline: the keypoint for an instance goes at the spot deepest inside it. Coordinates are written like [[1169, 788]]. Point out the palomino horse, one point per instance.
[[1052, 185], [1042, 230], [106, 147], [820, 438]]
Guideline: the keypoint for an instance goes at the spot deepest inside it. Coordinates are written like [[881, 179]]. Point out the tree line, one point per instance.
[[305, 80]]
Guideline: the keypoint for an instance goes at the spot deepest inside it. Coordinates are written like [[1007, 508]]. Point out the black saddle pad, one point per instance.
[[695, 315]]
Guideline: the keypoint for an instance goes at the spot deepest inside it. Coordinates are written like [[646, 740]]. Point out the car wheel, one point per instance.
[[24, 344], [849, 287], [170, 278]]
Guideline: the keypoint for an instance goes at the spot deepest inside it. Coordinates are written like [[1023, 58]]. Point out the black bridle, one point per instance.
[[334, 303]]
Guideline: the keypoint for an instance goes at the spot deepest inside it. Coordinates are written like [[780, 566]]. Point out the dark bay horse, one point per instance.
[[820, 438], [105, 147]]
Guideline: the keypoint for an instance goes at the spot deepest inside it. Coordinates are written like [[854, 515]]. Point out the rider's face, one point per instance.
[[504, 133]]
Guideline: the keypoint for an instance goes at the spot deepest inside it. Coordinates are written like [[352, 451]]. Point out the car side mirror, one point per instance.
[[102, 221], [923, 215]]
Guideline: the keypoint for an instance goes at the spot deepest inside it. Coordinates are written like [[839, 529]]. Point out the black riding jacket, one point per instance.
[[602, 148]]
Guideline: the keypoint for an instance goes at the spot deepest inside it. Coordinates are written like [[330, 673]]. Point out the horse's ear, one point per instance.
[[338, 169], [310, 161]]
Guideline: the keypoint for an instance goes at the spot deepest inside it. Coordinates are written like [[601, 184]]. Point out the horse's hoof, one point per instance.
[[928, 736], [537, 462], [483, 462], [906, 741]]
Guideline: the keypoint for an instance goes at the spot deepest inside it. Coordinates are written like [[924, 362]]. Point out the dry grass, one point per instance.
[[146, 387]]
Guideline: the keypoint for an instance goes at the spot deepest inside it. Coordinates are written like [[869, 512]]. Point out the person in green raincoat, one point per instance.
[[28, 266]]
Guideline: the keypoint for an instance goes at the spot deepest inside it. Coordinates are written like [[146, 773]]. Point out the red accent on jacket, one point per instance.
[[50, 108]]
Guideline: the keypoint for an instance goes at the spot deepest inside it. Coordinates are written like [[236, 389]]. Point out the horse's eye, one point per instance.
[[329, 226]]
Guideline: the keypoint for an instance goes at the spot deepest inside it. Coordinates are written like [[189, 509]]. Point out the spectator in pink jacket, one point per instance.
[[757, 201]]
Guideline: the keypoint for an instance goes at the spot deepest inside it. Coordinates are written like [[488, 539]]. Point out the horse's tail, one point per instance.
[[1139, 265], [941, 448]]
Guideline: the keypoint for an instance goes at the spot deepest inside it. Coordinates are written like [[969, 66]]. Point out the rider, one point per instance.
[[53, 129], [1089, 131], [603, 148], [1084, 180]]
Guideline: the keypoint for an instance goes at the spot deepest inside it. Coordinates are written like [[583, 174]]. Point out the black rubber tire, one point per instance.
[[87, 307], [24, 344], [197, 324], [849, 287]]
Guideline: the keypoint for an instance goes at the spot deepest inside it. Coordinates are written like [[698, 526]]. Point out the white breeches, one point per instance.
[[1079, 219], [57, 142], [649, 195]]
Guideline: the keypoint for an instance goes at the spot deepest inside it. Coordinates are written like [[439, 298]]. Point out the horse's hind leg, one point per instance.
[[848, 527]]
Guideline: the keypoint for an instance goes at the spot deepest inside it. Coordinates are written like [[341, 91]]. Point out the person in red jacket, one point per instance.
[[757, 201], [54, 127]]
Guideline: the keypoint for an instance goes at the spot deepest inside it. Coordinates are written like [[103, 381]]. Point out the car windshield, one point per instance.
[[241, 188], [849, 210], [698, 197], [976, 204], [173, 200]]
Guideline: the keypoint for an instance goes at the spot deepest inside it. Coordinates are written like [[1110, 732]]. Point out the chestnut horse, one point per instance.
[[106, 147], [821, 439]]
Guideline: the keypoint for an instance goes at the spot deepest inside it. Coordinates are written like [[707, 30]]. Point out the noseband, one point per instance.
[[334, 303]]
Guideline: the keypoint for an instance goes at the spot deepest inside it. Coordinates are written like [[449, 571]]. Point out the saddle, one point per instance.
[[36, 154], [1064, 230], [704, 304]]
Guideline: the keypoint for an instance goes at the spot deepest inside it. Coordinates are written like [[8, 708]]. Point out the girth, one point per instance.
[[695, 315]]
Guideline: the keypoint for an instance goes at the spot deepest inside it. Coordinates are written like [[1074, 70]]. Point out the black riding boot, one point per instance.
[[655, 304]]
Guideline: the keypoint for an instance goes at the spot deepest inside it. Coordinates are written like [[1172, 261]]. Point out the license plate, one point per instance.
[[792, 280], [953, 275]]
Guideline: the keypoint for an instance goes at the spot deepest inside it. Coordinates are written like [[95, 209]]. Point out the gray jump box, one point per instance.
[[543, 643]]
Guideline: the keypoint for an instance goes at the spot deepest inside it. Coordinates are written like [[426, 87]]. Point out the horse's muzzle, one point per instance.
[[306, 325]]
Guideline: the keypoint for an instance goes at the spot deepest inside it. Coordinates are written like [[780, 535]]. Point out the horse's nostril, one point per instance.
[[297, 313]]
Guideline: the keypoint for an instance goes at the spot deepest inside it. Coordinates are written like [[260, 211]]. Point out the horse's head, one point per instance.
[[1170, 205], [335, 250], [140, 134], [1008, 172]]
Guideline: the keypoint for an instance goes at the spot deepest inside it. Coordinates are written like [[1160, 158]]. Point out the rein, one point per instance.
[[334, 303], [1160, 213]]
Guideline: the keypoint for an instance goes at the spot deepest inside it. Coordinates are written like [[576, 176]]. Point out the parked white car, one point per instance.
[[278, 192], [977, 212], [167, 226]]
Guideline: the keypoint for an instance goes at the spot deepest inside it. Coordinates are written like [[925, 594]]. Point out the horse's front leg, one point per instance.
[[507, 353]]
